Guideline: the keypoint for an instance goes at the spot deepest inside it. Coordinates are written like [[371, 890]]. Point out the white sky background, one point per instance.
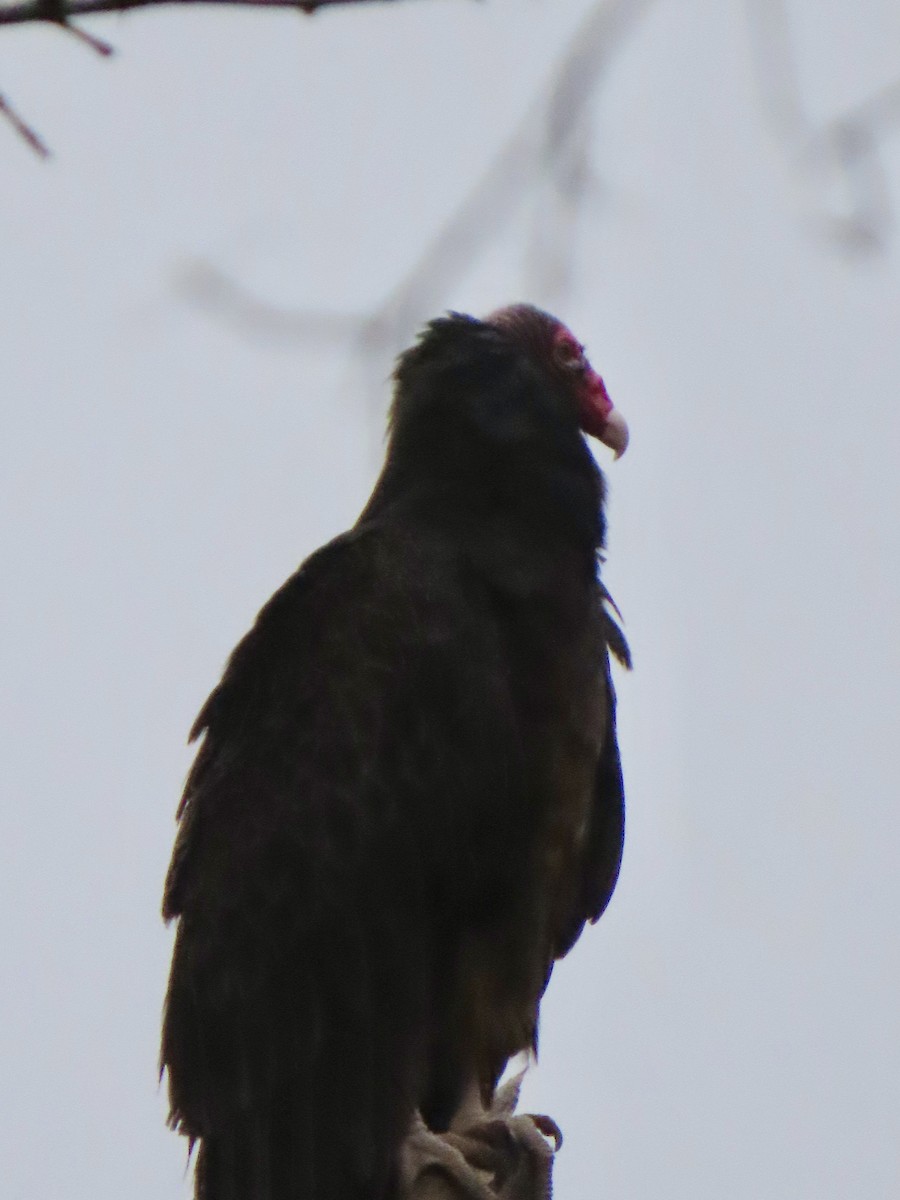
[[731, 1028]]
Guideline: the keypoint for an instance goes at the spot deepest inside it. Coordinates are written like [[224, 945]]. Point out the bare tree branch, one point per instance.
[[53, 13], [61, 12], [36, 10]]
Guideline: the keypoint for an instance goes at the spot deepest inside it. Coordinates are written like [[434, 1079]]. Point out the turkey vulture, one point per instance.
[[407, 801]]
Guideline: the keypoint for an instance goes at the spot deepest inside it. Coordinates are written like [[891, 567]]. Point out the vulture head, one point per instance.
[[556, 351], [518, 378], [489, 417]]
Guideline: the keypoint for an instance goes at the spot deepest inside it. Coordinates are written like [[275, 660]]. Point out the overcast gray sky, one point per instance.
[[731, 1027]]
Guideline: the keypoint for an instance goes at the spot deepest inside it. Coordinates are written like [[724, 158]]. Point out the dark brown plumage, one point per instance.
[[407, 801]]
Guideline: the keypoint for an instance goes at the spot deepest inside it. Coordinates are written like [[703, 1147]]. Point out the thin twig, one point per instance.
[[55, 12], [24, 130], [96, 44]]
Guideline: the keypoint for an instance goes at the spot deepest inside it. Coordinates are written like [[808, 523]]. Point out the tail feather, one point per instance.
[[301, 1086]]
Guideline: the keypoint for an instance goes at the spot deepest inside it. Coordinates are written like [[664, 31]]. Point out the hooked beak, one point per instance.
[[598, 417], [615, 433]]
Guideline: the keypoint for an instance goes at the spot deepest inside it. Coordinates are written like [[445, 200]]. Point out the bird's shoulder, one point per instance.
[[371, 679], [346, 608]]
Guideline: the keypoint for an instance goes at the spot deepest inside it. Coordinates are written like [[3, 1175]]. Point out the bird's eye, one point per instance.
[[569, 355]]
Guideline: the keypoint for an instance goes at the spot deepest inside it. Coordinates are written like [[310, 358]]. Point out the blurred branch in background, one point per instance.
[[549, 156], [843, 153], [549, 151]]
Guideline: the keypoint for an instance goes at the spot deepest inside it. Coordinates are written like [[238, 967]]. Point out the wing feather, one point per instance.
[[601, 854], [351, 757]]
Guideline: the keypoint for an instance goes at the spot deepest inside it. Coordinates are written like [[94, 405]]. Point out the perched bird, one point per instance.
[[407, 801]]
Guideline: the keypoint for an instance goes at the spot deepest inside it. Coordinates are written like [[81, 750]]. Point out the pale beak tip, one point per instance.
[[615, 433]]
